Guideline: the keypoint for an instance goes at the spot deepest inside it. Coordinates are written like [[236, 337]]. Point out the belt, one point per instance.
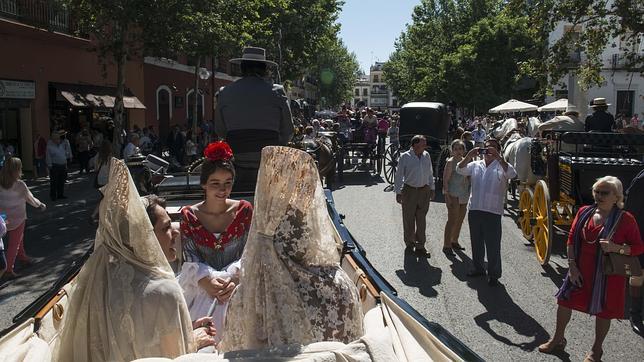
[[415, 188]]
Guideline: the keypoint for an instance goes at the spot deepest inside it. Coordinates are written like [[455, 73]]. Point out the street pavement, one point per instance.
[[55, 238], [505, 323]]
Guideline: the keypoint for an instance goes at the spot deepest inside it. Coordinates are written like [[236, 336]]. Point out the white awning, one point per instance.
[[513, 105]]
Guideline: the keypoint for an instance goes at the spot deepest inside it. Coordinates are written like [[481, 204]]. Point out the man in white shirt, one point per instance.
[[56, 157], [414, 187], [489, 178]]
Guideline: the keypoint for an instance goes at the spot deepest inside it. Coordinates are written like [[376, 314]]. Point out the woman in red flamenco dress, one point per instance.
[[586, 288]]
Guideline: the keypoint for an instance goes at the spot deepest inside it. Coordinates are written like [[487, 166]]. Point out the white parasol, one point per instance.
[[513, 106], [558, 105]]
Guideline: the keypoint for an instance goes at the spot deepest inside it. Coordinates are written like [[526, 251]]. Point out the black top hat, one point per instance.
[[253, 54]]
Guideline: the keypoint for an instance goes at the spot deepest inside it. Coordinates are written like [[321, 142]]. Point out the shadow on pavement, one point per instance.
[[500, 308], [419, 273], [367, 179]]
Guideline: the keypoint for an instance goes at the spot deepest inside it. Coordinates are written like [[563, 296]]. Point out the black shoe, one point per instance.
[[493, 282], [475, 273], [448, 251], [423, 253]]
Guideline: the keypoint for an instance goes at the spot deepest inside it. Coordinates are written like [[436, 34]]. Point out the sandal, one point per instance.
[[550, 347], [593, 356]]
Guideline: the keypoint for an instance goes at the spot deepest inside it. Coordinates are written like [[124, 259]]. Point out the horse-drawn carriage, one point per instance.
[[363, 146], [425, 118], [566, 165]]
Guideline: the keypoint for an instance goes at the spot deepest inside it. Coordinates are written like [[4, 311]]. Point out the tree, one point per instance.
[[596, 24], [294, 32], [473, 52], [337, 70], [121, 30]]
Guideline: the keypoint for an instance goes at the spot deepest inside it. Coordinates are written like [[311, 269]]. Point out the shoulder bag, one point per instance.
[[619, 264]]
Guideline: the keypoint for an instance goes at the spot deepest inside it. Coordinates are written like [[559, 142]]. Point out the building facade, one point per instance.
[[622, 88], [51, 79], [372, 91]]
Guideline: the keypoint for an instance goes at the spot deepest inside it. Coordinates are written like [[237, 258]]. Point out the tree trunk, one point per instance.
[[195, 116], [119, 110]]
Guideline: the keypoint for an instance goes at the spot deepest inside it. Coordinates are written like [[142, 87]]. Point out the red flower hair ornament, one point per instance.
[[218, 151]]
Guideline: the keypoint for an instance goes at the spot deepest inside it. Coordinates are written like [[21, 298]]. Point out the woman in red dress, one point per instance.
[[213, 234], [586, 288]]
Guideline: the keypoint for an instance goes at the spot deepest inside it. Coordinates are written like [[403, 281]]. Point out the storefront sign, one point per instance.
[[17, 89]]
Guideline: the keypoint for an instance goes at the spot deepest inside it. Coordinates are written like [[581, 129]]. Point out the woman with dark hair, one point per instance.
[[213, 234]]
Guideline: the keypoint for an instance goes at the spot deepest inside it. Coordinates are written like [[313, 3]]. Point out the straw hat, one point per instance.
[[599, 102]]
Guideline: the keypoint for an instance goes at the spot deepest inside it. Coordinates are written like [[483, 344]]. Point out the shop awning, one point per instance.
[[95, 96]]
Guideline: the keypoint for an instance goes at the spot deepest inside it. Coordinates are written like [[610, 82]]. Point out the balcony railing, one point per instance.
[[50, 15]]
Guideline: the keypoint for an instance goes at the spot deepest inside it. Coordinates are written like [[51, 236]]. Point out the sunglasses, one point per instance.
[[601, 192]]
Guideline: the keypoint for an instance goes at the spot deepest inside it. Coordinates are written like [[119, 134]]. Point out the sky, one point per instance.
[[370, 27]]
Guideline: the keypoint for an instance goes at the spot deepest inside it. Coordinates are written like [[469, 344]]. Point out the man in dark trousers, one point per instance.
[[253, 112], [56, 157], [600, 120]]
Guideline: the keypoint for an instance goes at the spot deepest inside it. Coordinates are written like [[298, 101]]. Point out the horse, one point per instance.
[[323, 149], [517, 148]]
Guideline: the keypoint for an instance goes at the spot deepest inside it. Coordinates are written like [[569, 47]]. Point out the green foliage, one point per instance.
[[473, 52], [337, 70], [598, 24]]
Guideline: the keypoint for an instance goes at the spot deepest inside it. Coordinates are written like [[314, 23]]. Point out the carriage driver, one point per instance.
[[252, 112]]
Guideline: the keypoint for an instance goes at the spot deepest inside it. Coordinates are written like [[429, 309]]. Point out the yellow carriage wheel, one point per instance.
[[542, 229], [525, 212]]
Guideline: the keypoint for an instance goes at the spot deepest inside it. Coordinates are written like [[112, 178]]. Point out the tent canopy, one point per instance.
[[513, 106], [558, 105]]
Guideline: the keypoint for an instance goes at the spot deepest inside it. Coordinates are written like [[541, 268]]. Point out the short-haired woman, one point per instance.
[[214, 234], [456, 189], [586, 288], [14, 195]]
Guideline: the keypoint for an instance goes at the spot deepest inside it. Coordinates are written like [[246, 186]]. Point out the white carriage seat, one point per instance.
[[23, 345]]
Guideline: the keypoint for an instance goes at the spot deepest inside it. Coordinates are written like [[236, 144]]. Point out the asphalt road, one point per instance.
[[505, 323], [54, 238]]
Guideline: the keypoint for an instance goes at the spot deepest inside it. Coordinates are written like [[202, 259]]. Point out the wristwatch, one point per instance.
[[622, 251]]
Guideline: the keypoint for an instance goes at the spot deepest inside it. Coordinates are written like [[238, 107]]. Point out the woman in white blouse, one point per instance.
[[14, 194]]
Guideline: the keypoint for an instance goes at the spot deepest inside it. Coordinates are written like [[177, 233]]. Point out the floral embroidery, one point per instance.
[[193, 229]]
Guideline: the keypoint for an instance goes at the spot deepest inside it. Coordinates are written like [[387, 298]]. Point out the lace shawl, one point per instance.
[[126, 304], [292, 289]]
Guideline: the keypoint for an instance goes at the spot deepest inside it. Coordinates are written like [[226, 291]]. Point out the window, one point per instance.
[[376, 79], [365, 91], [625, 102], [357, 92]]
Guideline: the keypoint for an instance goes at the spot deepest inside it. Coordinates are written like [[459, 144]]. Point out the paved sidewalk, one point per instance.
[[55, 237]]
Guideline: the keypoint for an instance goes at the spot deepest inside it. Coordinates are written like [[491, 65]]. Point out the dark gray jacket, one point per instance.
[[252, 105]]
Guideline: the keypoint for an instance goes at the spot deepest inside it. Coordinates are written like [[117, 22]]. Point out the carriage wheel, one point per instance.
[[390, 163], [525, 213], [542, 230]]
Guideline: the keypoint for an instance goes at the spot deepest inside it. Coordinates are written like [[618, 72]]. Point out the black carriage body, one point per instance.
[[429, 119], [596, 155]]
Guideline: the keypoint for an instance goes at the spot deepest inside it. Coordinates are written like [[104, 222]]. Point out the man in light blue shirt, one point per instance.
[[414, 187]]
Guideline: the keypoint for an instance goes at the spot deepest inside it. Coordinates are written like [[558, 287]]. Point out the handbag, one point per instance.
[[619, 264]]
